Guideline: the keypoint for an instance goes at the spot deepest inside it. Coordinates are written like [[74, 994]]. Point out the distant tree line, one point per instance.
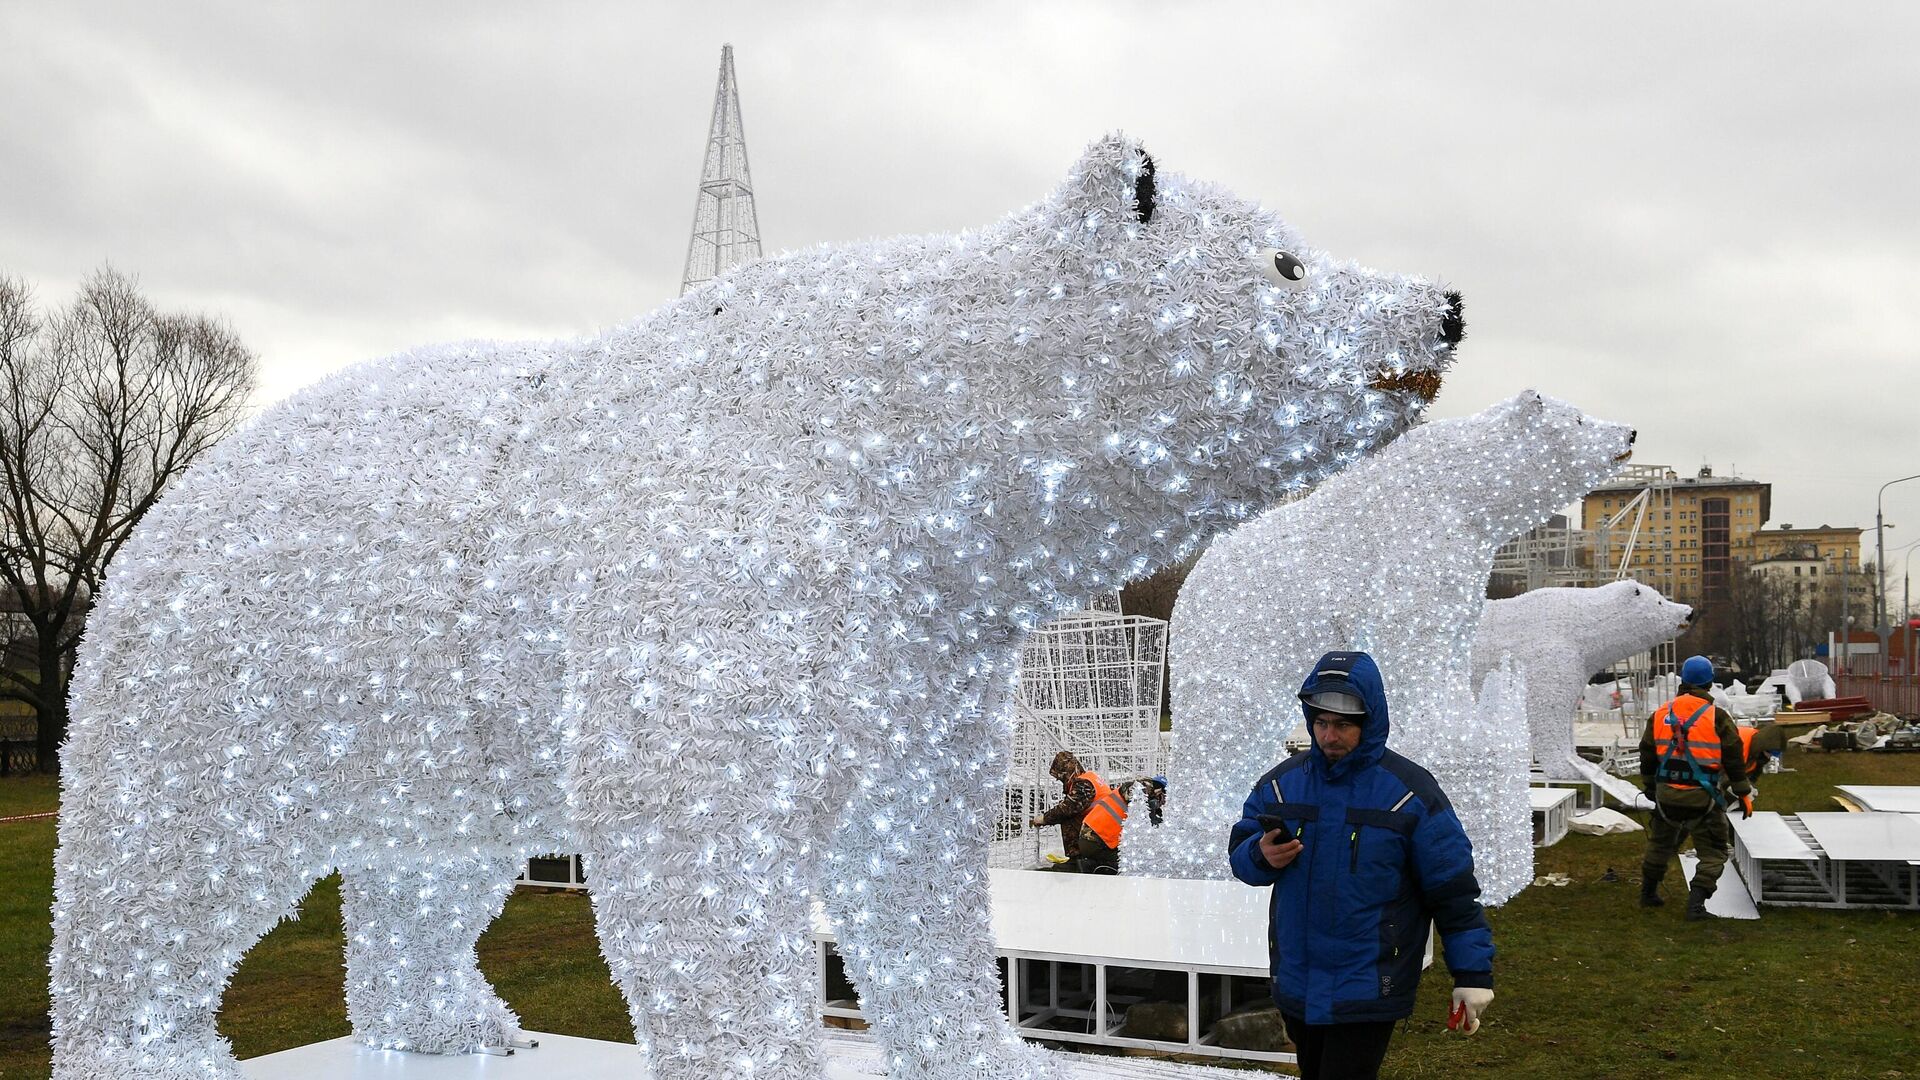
[[1761, 622]]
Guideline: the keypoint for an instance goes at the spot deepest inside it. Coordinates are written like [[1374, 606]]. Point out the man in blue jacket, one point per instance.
[[1362, 849]]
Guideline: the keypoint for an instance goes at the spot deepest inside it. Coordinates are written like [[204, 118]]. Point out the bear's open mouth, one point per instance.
[[1424, 383], [1623, 456]]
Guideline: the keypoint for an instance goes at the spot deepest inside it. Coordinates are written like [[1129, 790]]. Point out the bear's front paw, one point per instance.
[[445, 1026]]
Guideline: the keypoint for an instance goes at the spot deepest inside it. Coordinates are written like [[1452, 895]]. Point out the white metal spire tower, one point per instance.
[[726, 227]]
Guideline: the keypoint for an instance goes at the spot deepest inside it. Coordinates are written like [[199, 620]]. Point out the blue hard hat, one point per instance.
[[1697, 671], [1161, 780]]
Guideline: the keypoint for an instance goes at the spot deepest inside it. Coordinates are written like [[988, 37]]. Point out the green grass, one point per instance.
[[26, 894], [29, 793], [1589, 984]]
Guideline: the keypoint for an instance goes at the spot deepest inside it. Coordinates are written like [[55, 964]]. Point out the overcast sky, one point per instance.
[[1696, 218]]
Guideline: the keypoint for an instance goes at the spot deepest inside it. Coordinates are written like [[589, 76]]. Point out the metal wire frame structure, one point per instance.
[[1090, 682], [1559, 554], [1643, 682], [726, 224], [1555, 554]]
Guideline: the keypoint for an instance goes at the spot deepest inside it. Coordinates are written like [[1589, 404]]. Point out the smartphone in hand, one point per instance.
[[1268, 823]]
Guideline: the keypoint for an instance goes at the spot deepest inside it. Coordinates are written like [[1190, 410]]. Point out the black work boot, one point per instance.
[[1650, 885], [1697, 904]]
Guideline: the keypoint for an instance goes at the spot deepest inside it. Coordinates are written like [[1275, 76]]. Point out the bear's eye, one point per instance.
[[1281, 268]]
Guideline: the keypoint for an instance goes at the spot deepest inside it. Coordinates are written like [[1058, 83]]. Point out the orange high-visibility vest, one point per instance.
[[1683, 731], [1107, 812], [1746, 751]]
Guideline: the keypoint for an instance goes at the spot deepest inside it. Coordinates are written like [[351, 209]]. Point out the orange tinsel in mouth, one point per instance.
[[1424, 383]]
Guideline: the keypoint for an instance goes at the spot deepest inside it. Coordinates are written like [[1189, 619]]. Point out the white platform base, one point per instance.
[[1830, 860], [850, 1056]]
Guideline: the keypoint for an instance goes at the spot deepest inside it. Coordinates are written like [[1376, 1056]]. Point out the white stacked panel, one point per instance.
[[1890, 798]]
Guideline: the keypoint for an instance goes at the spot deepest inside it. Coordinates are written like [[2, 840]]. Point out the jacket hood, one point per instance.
[[1355, 673]]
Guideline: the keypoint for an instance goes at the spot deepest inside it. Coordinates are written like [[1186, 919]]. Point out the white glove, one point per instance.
[[1473, 1000]]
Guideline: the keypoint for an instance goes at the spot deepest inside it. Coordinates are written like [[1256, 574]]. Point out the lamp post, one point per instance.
[[1880, 564]]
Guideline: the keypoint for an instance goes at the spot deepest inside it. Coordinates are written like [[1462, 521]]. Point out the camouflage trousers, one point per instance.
[[1095, 856], [1667, 832]]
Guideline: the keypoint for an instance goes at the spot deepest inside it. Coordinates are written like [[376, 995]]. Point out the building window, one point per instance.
[[1715, 544]]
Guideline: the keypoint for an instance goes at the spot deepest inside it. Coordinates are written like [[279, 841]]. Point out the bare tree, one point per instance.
[[1741, 623], [101, 406], [1762, 622], [1153, 596]]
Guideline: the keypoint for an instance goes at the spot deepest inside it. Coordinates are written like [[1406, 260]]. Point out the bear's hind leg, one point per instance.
[[413, 982]]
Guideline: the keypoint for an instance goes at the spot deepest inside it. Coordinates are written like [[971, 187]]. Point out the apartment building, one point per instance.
[[1836, 547], [1687, 533], [1801, 578]]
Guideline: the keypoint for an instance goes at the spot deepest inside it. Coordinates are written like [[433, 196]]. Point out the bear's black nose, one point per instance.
[[1454, 326], [1632, 434]]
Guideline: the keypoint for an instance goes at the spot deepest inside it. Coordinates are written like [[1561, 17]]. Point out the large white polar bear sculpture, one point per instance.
[[1556, 639], [1390, 556], [726, 598]]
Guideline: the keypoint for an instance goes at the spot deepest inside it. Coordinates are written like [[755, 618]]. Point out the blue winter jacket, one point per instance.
[[1383, 853]]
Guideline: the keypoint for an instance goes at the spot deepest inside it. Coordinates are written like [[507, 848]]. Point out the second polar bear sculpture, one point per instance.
[[728, 599], [1390, 557], [1556, 639]]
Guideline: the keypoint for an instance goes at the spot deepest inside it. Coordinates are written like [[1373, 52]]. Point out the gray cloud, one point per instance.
[[1696, 218]]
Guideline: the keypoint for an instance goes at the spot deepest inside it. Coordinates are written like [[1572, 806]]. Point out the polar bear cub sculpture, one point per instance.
[[728, 599], [1556, 639], [1390, 556]]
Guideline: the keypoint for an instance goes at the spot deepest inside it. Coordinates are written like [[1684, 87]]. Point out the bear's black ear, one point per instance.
[[1112, 185], [1143, 193]]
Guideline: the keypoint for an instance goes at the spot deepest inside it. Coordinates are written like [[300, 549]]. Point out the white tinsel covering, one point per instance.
[[1556, 638], [728, 599], [1391, 556]]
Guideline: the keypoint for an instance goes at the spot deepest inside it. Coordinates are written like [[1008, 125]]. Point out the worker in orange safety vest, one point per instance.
[[1694, 766], [1090, 815], [1100, 829]]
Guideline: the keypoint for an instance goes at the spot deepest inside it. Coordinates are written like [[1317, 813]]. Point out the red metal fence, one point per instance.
[[1896, 691]]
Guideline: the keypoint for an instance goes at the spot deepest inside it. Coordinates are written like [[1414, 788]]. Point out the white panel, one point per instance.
[[1869, 837], [557, 1055], [1220, 925], [849, 1057], [1216, 924], [1730, 899], [1892, 798], [1549, 798], [1766, 835]]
